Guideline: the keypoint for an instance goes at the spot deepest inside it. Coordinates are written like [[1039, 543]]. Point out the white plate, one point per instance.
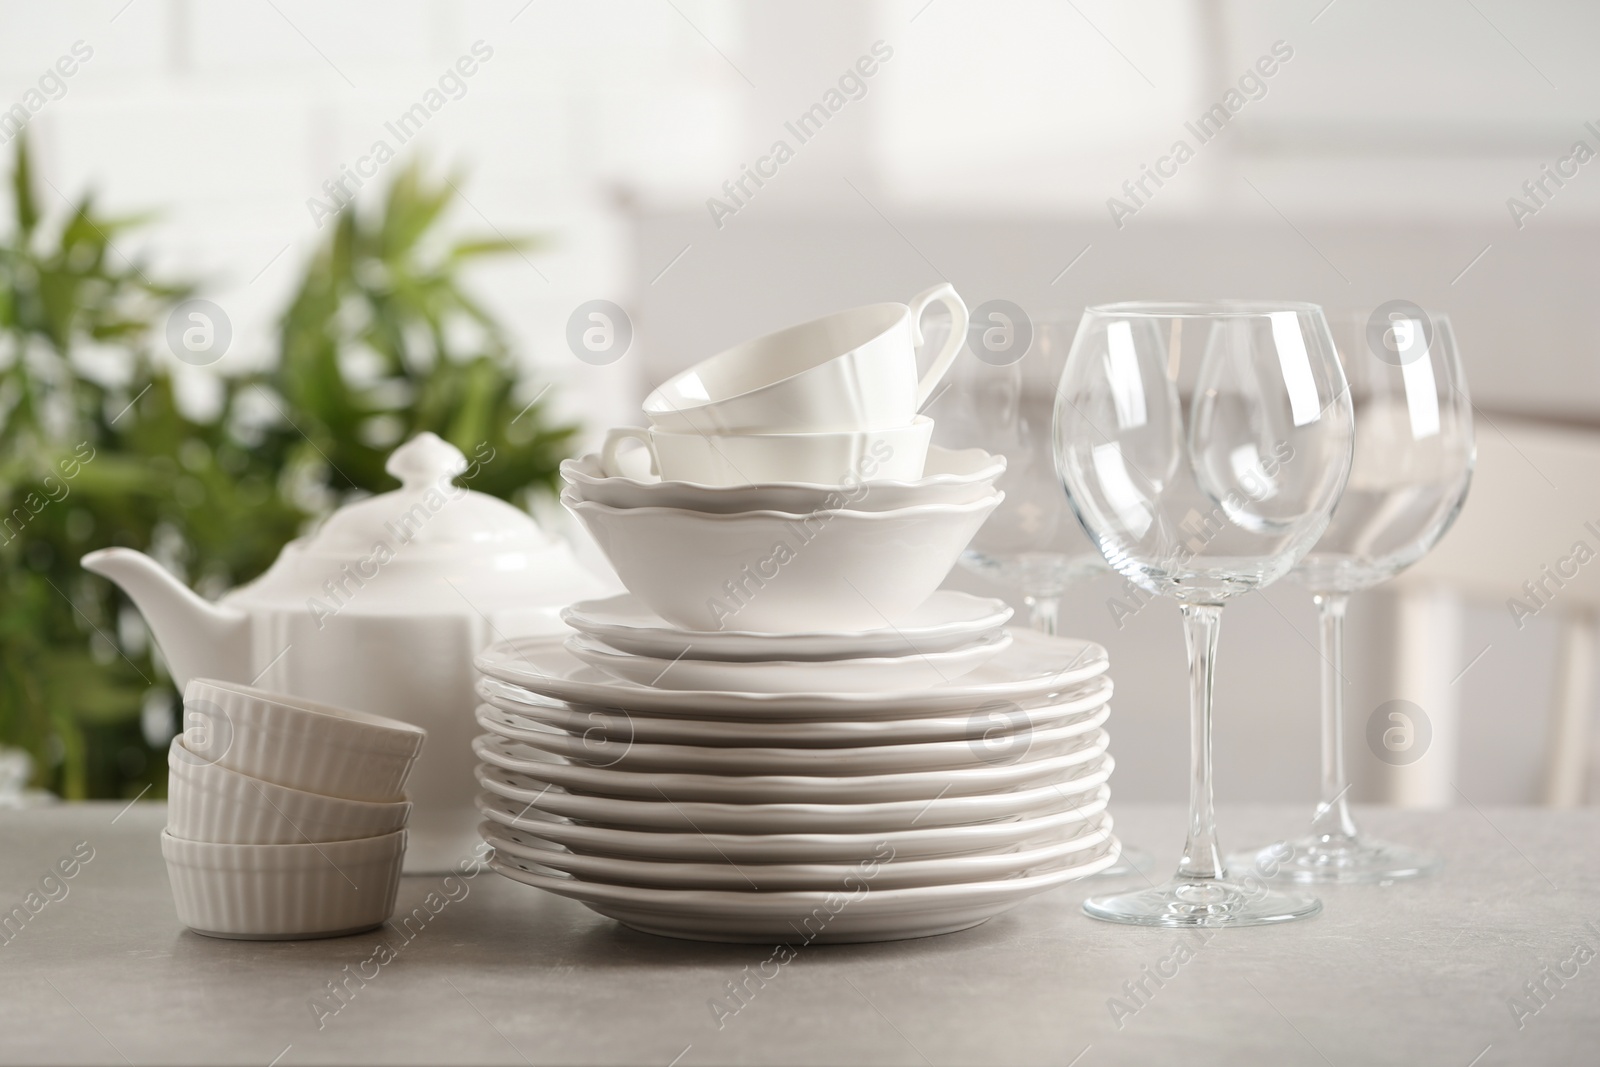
[[923, 842], [880, 674], [945, 621], [798, 918], [888, 869], [600, 726], [1033, 670], [980, 747], [734, 788], [949, 477], [798, 818]]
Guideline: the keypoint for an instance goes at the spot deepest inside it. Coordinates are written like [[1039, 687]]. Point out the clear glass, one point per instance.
[[1413, 462], [1032, 542], [1203, 448]]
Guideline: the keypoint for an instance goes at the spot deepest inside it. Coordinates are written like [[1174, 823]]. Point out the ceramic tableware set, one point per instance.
[[785, 729], [285, 818]]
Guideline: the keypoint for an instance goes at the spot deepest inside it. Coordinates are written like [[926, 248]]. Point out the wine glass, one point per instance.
[[1413, 462], [1032, 542], [1203, 447]]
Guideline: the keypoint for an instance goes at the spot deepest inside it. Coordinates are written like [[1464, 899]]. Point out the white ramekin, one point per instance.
[[299, 743], [208, 802], [283, 892]]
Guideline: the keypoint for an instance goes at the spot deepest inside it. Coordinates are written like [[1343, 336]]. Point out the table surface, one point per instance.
[[1425, 973]]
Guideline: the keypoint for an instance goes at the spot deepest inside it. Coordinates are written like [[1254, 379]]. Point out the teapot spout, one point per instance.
[[197, 639]]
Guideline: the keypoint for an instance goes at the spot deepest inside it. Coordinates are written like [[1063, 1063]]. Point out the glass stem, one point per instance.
[[1333, 811], [1201, 858], [1044, 613]]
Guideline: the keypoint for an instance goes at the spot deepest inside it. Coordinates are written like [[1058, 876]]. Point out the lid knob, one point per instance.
[[425, 460]]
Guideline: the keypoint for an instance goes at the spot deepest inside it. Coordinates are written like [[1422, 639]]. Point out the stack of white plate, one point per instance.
[[809, 787]]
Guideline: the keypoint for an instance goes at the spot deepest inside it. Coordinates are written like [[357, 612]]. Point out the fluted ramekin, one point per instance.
[[299, 743], [284, 892], [209, 802]]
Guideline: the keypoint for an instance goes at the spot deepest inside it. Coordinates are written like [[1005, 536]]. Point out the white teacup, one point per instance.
[[853, 370], [720, 460]]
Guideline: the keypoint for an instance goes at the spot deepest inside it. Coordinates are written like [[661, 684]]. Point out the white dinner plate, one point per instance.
[[598, 726], [980, 747], [874, 674], [746, 789], [798, 918], [1056, 817], [1035, 669], [945, 621], [882, 867], [716, 817]]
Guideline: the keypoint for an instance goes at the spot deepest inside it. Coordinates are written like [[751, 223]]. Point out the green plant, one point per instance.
[[380, 341]]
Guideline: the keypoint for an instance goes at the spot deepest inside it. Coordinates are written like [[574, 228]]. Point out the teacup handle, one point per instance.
[[614, 441], [945, 294]]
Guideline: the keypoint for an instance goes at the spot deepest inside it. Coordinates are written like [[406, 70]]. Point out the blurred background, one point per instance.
[[394, 209]]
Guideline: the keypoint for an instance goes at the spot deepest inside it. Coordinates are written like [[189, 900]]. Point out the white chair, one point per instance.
[[1535, 497]]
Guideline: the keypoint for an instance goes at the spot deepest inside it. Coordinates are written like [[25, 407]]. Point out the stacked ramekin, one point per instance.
[[285, 818]]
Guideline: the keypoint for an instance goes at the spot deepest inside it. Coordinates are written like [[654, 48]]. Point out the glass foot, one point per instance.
[[1204, 902], [1335, 858], [1133, 861]]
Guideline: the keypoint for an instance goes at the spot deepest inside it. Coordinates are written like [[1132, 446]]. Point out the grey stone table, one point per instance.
[[1421, 974]]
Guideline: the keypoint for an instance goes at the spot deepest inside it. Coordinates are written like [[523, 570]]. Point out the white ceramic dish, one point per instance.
[[822, 917], [839, 459], [712, 817], [1036, 669], [777, 572], [852, 370], [979, 748], [947, 620], [284, 892], [949, 476], [882, 867], [209, 802], [1055, 818], [867, 675], [300, 744], [597, 728], [734, 788]]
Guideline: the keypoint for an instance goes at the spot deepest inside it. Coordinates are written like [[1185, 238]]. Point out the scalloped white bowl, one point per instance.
[[781, 572]]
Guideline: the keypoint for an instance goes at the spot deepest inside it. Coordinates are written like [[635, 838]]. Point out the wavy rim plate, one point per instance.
[[944, 621], [890, 871], [981, 465], [809, 915], [1035, 667], [789, 816], [784, 788], [601, 724], [866, 674], [981, 746], [922, 842]]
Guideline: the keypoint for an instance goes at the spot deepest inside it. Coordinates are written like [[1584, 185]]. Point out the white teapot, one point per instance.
[[381, 610]]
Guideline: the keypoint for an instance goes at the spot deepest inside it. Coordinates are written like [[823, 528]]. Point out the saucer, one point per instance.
[[946, 620], [878, 674]]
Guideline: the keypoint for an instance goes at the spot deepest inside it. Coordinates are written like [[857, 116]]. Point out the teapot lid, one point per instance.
[[428, 513]]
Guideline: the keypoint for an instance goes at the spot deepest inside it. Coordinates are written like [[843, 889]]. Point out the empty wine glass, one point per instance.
[[1032, 542], [1413, 463], [1203, 447]]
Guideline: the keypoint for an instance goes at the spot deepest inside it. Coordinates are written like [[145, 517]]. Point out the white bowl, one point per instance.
[[776, 572], [209, 802], [299, 743], [284, 892], [950, 476]]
